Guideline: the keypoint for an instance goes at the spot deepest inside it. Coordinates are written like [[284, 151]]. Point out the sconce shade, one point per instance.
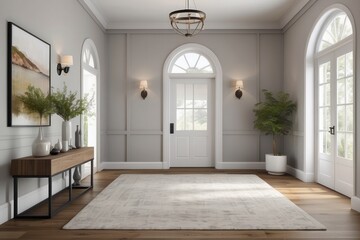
[[143, 84], [239, 84], [67, 60], [65, 63]]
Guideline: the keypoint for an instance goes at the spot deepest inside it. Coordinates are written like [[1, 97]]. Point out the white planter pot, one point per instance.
[[66, 131], [40, 146], [275, 165]]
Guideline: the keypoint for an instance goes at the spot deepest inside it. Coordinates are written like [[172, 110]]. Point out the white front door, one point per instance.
[[335, 124], [191, 118]]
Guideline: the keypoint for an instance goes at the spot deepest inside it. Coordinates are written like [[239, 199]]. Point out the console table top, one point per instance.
[[50, 165]]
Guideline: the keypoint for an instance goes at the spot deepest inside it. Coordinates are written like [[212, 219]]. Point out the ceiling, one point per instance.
[[224, 14]]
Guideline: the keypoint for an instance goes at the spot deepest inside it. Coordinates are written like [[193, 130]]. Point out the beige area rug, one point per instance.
[[192, 201]]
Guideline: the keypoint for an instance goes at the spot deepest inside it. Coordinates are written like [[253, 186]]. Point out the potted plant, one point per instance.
[[67, 106], [35, 101], [273, 117]]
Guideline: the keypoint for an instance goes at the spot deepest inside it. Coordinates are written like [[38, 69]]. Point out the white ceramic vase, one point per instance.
[[40, 146], [66, 131], [276, 165]]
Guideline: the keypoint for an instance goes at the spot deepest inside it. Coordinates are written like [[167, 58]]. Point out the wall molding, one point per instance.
[[132, 132], [240, 165], [242, 132], [299, 174], [355, 203], [132, 165]]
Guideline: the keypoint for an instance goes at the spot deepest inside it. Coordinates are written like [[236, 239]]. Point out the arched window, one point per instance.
[[192, 62], [337, 29]]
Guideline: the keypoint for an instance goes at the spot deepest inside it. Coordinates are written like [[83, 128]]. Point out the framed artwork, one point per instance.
[[28, 64]]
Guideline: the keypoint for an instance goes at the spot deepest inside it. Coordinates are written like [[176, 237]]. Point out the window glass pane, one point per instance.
[[91, 61], [208, 69], [349, 146], [349, 90], [180, 119], [341, 144], [189, 96], [203, 62], [327, 118], [200, 95], [349, 118], [200, 119], [340, 67], [341, 118], [328, 143], [324, 95], [180, 95], [324, 73], [321, 118], [322, 142], [349, 64], [181, 62], [192, 59], [176, 69], [189, 120], [341, 91]]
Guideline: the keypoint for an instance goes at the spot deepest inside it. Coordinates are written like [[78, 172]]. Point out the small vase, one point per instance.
[[77, 176], [66, 131], [77, 137], [40, 146]]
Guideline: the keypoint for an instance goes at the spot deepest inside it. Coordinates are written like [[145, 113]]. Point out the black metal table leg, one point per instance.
[[50, 196], [15, 197], [70, 186], [92, 173]]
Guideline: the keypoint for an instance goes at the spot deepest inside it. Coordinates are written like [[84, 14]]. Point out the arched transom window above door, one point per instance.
[[338, 28], [191, 62]]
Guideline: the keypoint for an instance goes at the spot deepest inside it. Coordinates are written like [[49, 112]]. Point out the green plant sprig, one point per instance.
[[34, 100], [66, 104]]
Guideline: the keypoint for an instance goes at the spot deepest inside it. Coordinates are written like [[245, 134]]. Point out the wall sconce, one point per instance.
[[143, 87], [239, 87], [65, 63]]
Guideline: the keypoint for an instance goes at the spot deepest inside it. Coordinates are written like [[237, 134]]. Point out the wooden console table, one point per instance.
[[48, 167]]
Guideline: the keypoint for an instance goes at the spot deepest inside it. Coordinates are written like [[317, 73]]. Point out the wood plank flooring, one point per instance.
[[328, 207]]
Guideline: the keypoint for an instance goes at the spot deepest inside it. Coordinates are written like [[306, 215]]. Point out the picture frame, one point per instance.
[[29, 59]]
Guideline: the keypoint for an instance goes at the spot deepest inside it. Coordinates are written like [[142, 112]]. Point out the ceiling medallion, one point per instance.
[[187, 22]]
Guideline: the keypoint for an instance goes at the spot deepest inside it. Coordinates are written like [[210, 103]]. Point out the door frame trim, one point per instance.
[[218, 99]]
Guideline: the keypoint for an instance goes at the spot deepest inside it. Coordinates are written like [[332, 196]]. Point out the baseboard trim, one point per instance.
[[355, 203], [305, 177], [5, 212], [132, 165], [240, 165]]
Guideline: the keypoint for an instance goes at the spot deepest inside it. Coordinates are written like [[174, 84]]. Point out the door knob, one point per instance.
[[332, 130]]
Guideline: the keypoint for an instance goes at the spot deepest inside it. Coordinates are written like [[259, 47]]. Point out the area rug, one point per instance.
[[192, 201]]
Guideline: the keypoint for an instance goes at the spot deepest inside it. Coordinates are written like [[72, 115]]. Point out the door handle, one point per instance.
[[171, 128], [332, 130]]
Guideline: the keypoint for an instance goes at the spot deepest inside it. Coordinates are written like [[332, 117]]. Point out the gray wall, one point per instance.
[[64, 25], [134, 126], [295, 43]]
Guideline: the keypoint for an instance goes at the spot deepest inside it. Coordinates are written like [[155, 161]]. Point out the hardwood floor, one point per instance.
[[328, 207]]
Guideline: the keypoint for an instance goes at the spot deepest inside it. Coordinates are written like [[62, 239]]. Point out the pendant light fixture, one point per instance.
[[187, 22]]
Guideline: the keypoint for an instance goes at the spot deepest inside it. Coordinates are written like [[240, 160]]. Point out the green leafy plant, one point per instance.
[[67, 105], [35, 101], [273, 115]]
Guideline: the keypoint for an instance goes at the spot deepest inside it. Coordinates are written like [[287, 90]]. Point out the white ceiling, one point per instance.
[[221, 14]]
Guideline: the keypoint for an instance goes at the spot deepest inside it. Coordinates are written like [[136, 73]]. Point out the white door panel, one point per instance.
[[191, 113]]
